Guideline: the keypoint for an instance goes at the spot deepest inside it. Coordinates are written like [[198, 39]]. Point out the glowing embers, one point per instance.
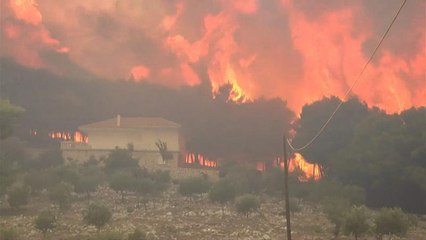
[[310, 171], [191, 158], [69, 136]]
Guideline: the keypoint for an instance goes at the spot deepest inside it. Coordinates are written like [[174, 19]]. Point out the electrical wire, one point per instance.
[[352, 86]]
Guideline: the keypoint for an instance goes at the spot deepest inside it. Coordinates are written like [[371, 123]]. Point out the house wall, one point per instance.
[[149, 160], [142, 139]]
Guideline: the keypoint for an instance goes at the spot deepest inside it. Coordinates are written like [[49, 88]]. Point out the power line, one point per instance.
[[352, 86]]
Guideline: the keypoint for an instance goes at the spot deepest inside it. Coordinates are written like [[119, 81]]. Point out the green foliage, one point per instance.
[[60, 194], [9, 114], [160, 176], [45, 221], [49, 158], [18, 196], [12, 158], [8, 234], [137, 235], [222, 192], [391, 221], [383, 154], [37, 180], [120, 160], [246, 204], [335, 209], [193, 185], [121, 182], [245, 179], [97, 215], [146, 188], [355, 222]]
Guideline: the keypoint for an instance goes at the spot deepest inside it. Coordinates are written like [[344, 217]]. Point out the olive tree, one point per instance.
[[246, 204], [45, 221], [222, 192], [18, 196], [97, 215], [391, 221], [355, 222], [194, 185]]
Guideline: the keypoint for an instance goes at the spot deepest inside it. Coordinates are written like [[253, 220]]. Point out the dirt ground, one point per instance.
[[175, 217]]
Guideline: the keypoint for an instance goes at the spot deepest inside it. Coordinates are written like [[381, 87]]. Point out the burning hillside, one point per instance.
[[263, 48]]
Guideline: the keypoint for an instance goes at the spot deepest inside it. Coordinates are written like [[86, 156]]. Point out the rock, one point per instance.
[[266, 237]]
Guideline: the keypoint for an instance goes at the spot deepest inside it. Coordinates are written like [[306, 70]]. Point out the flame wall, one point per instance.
[[297, 50]]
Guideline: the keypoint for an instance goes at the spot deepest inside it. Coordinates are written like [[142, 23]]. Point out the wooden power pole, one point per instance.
[[286, 194]]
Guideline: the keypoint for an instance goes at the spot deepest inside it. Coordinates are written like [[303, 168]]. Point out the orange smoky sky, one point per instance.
[[298, 50]]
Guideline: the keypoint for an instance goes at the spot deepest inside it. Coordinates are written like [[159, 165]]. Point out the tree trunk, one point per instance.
[[223, 211]]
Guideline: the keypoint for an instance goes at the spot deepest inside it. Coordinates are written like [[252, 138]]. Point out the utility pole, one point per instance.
[[286, 195]]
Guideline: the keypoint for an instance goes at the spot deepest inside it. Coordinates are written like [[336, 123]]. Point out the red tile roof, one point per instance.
[[132, 122]]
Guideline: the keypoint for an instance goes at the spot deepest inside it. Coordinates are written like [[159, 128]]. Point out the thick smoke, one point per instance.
[[297, 50]]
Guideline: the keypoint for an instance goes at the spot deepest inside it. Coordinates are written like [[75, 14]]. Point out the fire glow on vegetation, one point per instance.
[[190, 158], [310, 171], [69, 136]]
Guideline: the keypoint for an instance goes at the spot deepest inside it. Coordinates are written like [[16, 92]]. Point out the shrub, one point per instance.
[[8, 234], [246, 204], [97, 215], [18, 196], [120, 160], [61, 195], [222, 192], [194, 185], [45, 221], [391, 221], [121, 182], [335, 209], [355, 222]]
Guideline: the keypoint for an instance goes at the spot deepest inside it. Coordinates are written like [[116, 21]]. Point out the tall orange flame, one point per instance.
[[190, 158], [69, 136], [310, 171]]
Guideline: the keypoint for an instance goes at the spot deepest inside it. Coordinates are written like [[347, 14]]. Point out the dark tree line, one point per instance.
[[383, 153]]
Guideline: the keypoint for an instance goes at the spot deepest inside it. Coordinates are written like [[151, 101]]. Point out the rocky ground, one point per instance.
[[175, 217]]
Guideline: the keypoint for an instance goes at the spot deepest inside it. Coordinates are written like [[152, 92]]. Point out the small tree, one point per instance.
[[61, 195], [88, 181], [137, 235], [391, 221], [97, 215], [335, 209], [45, 221], [246, 204], [355, 222], [222, 192], [193, 185], [120, 160], [18, 196], [122, 182], [145, 187]]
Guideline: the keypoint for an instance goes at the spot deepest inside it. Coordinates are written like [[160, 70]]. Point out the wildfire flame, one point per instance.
[[202, 161], [310, 171], [263, 48], [69, 136]]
